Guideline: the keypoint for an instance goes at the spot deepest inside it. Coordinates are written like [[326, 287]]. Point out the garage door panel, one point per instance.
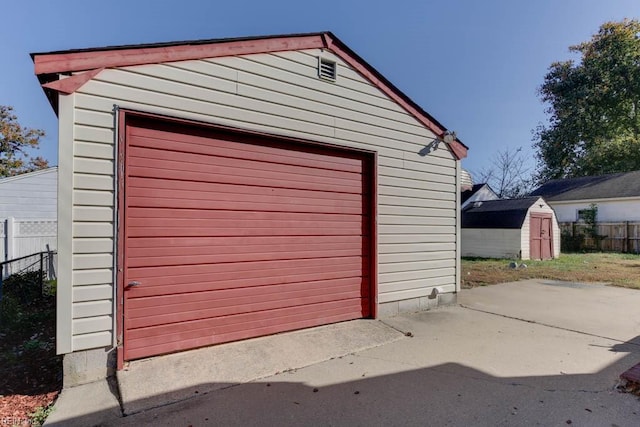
[[237, 237], [244, 246], [189, 175], [355, 224], [135, 213], [223, 231], [228, 244], [144, 349], [267, 268], [140, 186], [273, 202], [271, 167], [225, 280], [269, 255], [145, 317], [174, 169], [227, 324], [332, 208], [316, 287], [274, 153], [201, 283]]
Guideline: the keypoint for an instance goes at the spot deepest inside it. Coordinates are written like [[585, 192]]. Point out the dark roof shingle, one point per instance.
[[508, 213], [625, 184]]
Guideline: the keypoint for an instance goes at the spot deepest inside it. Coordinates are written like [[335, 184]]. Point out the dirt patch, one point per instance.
[[616, 269]]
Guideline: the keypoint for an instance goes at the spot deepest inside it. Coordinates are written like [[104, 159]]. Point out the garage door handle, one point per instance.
[[133, 283]]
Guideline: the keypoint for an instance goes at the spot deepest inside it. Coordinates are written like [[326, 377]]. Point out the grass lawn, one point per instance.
[[617, 269]]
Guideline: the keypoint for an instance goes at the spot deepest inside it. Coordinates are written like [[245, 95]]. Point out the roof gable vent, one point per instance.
[[327, 69]]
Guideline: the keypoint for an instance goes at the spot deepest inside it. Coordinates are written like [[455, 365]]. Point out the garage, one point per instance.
[[211, 191], [230, 236]]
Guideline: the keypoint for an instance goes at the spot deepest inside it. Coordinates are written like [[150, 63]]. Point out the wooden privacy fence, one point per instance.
[[22, 237], [611, 236]]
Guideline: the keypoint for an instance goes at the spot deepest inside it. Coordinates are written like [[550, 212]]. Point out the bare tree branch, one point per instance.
[[509, 175]]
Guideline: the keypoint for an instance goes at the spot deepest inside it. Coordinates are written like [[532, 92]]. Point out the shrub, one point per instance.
[[571, 243], [25, 287], [10, 313]]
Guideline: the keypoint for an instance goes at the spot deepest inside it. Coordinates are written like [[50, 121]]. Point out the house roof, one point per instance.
[[508, 213], [466, 195], [610, 186], [28, 175], [87, 63]]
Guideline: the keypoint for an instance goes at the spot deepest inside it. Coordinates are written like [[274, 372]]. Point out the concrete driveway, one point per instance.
[[525, 353]]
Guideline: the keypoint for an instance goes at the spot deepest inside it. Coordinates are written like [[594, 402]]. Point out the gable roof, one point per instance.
[[87, 63], [610, 186], [466, 195], [507, 213]]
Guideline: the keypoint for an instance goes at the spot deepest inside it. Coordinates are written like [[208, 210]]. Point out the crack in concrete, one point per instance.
[[550, 326], [394, 328]]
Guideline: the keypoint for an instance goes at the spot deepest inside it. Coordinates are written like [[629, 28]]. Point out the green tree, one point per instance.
[[15, 142], [593, 107]]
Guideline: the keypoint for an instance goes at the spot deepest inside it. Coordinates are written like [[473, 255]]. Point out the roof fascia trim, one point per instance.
[[81, 61], [336, 46], [110, 58]]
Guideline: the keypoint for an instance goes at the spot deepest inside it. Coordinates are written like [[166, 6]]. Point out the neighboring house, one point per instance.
[[466, 181], [28, 212], [30, 195], [477, 193], [617, 196], [513, 228], [263, 185]]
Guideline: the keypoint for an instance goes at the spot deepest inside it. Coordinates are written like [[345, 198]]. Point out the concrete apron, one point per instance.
[[159, 381], [593, 309]]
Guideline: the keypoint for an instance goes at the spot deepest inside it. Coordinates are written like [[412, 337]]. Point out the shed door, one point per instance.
[[228, 236], [541, 241]]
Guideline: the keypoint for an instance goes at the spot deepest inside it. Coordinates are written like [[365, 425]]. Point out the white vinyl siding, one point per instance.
[[30, 196], [279, 94], [609, 210], [491, 242]]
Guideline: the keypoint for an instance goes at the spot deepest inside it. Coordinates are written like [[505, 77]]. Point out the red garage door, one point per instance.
[[228, 236]]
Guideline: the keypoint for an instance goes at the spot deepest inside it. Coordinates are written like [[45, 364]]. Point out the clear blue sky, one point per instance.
[[473, 65]]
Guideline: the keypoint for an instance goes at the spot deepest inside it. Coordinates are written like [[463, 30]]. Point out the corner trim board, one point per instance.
[[64, 294]]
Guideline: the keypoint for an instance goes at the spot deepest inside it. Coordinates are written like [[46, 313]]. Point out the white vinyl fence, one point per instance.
[[22, 237]]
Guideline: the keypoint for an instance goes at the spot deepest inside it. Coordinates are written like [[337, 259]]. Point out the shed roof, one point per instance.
[[508, 213], [610, 186], [87, 63]]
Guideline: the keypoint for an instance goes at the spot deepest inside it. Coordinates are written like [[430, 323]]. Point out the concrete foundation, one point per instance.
[[83, 367], [413, 305]]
